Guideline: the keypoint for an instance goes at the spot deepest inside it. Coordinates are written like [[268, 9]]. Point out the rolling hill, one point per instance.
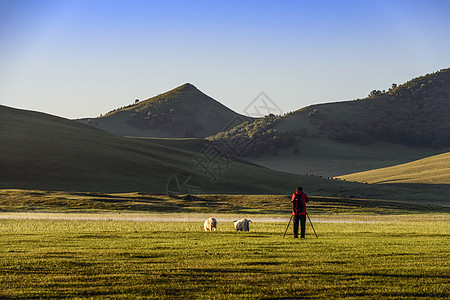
[[430, 170], [43, 152], [416, 113], [406, 123], [184, 112], [40, 151]]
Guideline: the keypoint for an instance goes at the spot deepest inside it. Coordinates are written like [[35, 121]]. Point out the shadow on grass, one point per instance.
[[366, 274], [197, 271]]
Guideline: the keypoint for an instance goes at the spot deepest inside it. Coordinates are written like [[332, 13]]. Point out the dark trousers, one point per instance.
[[302, 220]]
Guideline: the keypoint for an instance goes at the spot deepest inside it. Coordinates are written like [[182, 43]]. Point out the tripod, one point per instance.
[[309, 223], [312, 225]]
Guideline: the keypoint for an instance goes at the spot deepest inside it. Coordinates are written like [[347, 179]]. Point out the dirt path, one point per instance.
[[136, 217]]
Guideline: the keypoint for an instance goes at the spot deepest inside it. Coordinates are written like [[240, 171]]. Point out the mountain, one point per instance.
[[416, 113], [430, 170], [182, 112], [405, 123]]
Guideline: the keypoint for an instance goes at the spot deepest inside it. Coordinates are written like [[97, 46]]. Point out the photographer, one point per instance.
[[299, 200]]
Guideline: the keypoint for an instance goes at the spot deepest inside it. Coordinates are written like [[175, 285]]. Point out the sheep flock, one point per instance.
[[239, 225]]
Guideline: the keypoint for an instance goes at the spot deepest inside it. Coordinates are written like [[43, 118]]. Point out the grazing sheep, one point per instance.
[[210, 224], [242, 225]]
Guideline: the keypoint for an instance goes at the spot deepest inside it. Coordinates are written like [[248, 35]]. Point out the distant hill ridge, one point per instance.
[[182, 112], [436, 84], [416, 113]]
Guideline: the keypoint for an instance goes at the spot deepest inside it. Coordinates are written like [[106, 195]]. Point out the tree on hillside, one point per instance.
[[260, 136], [374, 93]]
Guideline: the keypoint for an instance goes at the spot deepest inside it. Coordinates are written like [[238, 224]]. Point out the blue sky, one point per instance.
[[78, 58]]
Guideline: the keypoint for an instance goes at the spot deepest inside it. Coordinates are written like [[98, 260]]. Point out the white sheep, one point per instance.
[[210, 224], [242, 225]]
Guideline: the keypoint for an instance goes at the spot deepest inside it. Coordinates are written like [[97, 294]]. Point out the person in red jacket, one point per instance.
[[299, 200]]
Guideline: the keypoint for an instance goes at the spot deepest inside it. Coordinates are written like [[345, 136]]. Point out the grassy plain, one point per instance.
[[59, 201], [375, 257]]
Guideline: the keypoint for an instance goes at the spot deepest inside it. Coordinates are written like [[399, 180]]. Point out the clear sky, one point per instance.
[[82, 58]]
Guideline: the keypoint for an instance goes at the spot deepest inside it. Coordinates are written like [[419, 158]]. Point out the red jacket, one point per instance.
[[303, 199]]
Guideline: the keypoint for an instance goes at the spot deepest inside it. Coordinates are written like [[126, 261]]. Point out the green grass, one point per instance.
[[430, 170], [388, 257], [56, 201]]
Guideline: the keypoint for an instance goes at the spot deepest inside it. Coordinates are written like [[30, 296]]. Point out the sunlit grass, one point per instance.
[[430, 170], [385, 257]]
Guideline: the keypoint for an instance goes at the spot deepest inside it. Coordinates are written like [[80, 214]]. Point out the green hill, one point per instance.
[[184, 112], [408, 122], [40, 151], [430, 170], [404, 123], [416, 113], [44, 152]]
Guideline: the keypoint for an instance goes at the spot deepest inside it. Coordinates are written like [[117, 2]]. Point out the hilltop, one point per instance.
[[182, 112]]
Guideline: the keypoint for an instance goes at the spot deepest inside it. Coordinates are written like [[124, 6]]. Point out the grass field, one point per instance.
[[375, 257], [58, 201]]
